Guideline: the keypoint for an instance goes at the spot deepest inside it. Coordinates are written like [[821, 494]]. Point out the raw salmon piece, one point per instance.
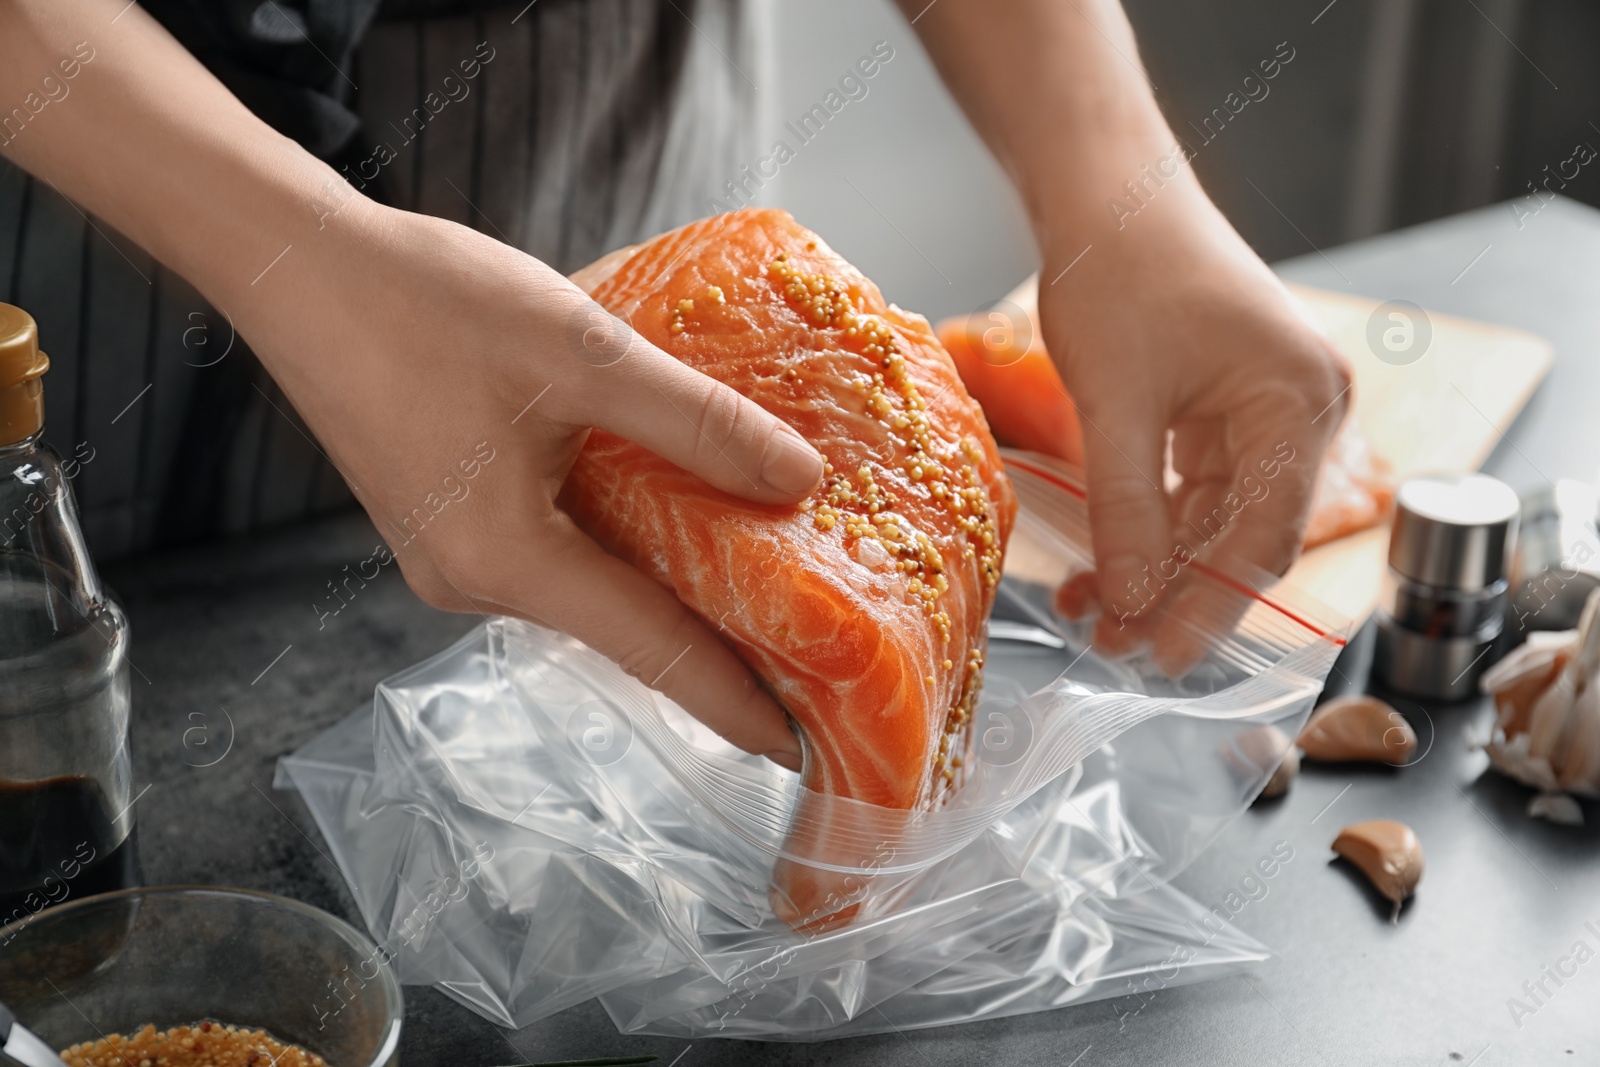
[[1007, 369], [1354, 490], [1017, 384], [865, 608]]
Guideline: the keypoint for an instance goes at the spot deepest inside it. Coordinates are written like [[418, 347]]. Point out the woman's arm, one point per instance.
[[1056, 89], [142, 135], [1159, 316], [410, 345]]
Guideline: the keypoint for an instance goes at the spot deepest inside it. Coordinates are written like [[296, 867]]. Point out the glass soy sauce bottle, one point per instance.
[[66, 828]]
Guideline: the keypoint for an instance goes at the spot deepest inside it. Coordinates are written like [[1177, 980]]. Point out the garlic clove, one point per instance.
[[1531, 657], [1547, 722], [1526, 671], [1388, 853], [1358, 728], [1586, 663], [1258, 749], [1557, 807], [1286, 770], [1577, 765]]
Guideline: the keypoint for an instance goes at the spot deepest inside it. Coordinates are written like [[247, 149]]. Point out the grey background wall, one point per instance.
[[1392, 112]]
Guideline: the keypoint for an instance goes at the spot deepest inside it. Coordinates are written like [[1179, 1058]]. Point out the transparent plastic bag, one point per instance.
[[526, 827]]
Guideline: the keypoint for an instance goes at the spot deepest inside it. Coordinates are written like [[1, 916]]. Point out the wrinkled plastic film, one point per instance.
[[527, 828]]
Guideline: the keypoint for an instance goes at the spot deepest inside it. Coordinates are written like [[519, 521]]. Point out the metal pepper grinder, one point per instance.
[[1556, 564], [1444, 600]]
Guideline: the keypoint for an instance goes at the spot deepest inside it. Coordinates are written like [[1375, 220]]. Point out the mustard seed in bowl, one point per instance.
[[206, 1044]]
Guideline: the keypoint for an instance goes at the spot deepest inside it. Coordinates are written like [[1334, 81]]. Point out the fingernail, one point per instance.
[[787, 760], [790, 464]]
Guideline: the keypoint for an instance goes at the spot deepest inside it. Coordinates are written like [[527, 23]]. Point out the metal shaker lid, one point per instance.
[[1452, 531]]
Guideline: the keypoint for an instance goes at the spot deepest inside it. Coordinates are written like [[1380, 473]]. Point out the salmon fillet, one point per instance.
[[864, 609], [1005, 365], [1354, 489]]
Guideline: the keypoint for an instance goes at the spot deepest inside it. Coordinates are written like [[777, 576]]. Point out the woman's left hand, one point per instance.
[[1170, 330], [1168, 324]]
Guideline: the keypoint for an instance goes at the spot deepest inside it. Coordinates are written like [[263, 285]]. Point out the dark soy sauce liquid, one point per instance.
[[57, 843]]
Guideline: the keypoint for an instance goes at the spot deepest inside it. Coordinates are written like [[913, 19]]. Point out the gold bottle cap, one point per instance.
[[21, 364]]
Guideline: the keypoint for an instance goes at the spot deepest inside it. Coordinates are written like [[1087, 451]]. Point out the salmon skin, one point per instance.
[[863, 609]]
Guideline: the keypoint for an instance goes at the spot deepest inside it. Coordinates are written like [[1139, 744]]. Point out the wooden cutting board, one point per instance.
[[1444, 412]]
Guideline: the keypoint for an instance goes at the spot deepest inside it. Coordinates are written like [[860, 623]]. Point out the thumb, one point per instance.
[[1128, 514], [703, 426]]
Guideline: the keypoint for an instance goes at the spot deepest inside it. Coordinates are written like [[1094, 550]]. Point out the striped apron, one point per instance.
[[589, 124]]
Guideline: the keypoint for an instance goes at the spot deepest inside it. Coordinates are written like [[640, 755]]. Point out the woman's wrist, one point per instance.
[[1086, 185], [264, 216]]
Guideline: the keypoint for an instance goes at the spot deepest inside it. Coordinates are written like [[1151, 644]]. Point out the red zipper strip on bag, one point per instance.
[[1233, 583]]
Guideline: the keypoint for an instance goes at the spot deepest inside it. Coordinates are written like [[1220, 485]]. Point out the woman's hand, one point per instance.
[[1168, 322], [418, 351], [449, 377], [1171, 324]]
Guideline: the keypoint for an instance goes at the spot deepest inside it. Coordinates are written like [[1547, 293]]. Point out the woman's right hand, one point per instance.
[[414, 348]]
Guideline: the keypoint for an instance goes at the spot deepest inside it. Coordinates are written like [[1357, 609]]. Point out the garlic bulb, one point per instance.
[[1547, 722]]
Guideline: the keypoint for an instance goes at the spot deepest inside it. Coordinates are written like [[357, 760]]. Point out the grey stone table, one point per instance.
[[230, 641]]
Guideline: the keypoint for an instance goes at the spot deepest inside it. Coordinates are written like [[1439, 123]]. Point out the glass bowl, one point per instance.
[[178, 955]]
